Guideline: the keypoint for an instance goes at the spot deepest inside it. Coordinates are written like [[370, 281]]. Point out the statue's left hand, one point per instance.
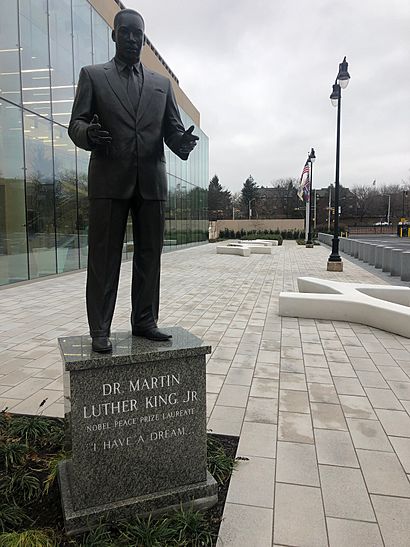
[[188, 141]]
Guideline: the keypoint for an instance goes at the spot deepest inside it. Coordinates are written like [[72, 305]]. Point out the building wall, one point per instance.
[[43, 176]]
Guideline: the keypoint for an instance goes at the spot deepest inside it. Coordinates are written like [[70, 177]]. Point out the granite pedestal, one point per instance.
[[137, 428]]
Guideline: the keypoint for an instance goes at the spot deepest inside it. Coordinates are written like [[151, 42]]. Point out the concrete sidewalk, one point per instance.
[[322, 408]]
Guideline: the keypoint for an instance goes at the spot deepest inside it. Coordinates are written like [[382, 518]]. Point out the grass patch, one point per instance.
[[30, 506]]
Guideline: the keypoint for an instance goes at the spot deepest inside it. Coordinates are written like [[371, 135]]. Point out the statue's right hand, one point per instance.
[[96, 135]]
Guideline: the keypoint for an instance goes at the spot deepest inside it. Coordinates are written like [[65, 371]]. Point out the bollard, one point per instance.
[[366, 252], [361, 250], [342, 244], [386, 259], [372, 254], [356, 249], [378, 256], [396, 262], [349, 246], [354, 245], [405, 266]]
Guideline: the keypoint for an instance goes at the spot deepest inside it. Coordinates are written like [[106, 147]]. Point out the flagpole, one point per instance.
[[306, 221]]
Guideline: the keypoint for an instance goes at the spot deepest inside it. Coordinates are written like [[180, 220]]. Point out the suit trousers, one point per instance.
[[107, 224]]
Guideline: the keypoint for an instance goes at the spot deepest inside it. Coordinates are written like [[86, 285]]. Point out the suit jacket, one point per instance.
[[136, 154]]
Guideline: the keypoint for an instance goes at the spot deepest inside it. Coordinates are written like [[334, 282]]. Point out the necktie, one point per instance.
[[133, 89]]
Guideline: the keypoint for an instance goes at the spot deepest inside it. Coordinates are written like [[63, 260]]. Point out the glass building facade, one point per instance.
[[43, 176]]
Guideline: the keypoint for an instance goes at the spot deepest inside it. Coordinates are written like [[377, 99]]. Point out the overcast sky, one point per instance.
[[261, 71]]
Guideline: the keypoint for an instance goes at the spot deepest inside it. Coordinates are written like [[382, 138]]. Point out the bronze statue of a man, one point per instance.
[[123, 113]]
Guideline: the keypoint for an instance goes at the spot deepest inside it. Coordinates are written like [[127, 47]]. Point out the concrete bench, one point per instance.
[[240, 250], [265, 242], [385, 307], [255, 248]]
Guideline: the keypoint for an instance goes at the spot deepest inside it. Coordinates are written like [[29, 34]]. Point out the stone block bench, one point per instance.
[[385, 307], [265, 242], [240, 250]]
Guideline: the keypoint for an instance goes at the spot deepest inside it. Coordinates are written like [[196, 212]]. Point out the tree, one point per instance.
[[287, 202], [249, 193], [219, 200]]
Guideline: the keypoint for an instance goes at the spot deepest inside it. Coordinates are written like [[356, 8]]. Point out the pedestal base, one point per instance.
[[200, 496], [309, 245], [335, 266]]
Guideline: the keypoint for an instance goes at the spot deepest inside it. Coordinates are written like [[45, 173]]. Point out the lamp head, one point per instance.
[[312, 155], [343, 77], [335, 95]]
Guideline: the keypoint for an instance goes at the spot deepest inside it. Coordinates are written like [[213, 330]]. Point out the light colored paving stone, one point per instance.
[[328, 416], [295, 427], [233, 395], [323, 393], [383, 473], [299, 518], [290, 380], [210, 403], [19, 375], [394, 422], [383, 398], [400, 389], [401, 446], [26, 388], [357, 407], [268, 357], [348, 386], [315, 361], [294, 401], [335, 448], [292, 365], [239, 525], [394, 373], [238, 376], [267, 371], [258, 439], [296, 464], [363, 363], [217, 366], [253, 482], [351, 533], [345, 494], [226, 420], [371, 379], [318, 375], [264, 387], [368, 434], [393, 517], [244, 361], [214, 383], [31, 405], [344, 370], [262, 410]]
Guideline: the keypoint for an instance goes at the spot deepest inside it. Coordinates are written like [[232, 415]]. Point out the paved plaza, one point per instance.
[[322, 408]]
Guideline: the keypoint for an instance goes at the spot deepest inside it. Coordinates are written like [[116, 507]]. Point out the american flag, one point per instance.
[[303, 191]]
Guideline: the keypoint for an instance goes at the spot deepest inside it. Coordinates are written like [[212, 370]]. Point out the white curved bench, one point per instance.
[[254, 247], [240, 250], [265, 242], [385, 307]]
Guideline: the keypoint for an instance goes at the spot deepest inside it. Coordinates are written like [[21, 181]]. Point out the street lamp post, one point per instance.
[[311, 160], [335, 263]]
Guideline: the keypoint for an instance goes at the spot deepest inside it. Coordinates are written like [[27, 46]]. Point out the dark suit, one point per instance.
[[129, 174]]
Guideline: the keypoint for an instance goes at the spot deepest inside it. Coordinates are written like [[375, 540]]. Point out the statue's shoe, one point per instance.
[[101, 344], [152, 334]]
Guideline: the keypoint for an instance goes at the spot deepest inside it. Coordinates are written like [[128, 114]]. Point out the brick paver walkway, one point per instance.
[[322, 408]]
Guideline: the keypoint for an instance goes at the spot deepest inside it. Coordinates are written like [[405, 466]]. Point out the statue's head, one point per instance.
[[128, 35]]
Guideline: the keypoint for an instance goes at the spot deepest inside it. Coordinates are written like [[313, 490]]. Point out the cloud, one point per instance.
[[261, 72]]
